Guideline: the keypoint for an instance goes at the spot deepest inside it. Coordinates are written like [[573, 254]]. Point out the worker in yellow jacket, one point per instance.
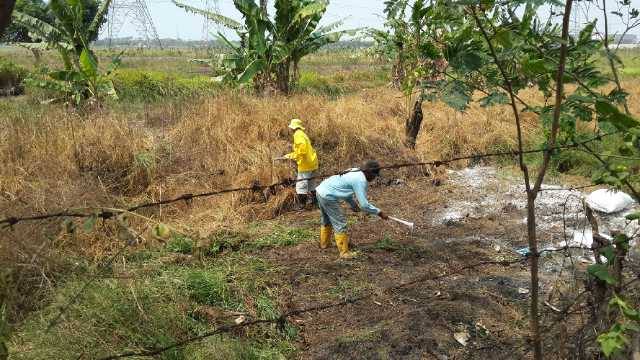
[[307, 160]]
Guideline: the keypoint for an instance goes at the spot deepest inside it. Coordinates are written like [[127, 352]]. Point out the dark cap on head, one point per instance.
[[371, 167]]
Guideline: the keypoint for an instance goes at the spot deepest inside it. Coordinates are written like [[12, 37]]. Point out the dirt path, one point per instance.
[[476, 216]]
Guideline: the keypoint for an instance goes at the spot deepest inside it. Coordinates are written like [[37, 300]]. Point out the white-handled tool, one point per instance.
[[403, 222]]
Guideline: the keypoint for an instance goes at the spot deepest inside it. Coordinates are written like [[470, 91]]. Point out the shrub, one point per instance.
[[11, 77], [315, 83], [138, 85]]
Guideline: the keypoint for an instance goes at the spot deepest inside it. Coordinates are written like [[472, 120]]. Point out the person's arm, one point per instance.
[[354, 206], [299, 148], [360, 191]]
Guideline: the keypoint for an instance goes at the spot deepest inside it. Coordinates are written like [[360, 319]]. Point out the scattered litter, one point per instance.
[[497, 248], [396, 182], [582, 237], [523, 251], [377, 303], [587, 259], [552, 307], [462, 337], [609, 201], [523, 291], [452, 217], [437, 293], [240, 319]]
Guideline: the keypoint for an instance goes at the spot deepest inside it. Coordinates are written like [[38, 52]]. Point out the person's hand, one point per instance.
[[383, 216]]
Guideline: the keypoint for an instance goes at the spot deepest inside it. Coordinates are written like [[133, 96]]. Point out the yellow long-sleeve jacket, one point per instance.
[[303, 153]]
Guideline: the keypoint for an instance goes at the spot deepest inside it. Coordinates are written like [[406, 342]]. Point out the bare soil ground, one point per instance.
[[475, 217]]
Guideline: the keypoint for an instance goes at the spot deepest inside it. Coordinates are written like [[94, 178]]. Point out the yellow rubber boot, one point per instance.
[[325, 236], [342, 240]]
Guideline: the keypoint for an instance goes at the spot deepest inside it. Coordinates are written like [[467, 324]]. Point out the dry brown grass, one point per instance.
[[53, 160], [63, 160]]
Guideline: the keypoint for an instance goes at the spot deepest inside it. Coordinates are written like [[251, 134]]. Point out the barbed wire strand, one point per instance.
[[13, 220], [106, 214], [282, 318]]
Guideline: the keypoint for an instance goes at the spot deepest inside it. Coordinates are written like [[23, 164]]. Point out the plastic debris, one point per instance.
[[608, 201], [523, 291], [462, 337]]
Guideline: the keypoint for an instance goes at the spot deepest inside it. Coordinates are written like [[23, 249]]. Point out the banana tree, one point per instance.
[[80, 79], [296, 29], [269, 48]]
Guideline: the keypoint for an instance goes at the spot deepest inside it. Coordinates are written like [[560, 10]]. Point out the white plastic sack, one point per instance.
[[608, 201]]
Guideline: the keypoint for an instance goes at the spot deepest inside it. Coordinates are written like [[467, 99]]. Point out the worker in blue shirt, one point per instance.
[[332, 191]]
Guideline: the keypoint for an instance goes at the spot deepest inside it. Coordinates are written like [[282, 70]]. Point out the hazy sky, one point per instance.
[[173, 22]]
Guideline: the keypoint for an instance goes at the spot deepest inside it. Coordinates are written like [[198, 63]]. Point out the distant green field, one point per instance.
[[629, 57]]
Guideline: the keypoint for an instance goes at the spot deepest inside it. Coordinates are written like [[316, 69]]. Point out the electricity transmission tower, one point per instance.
[[207, 26], [136, 13]]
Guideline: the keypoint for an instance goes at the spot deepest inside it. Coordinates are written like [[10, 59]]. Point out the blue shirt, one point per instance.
[[344, 187]]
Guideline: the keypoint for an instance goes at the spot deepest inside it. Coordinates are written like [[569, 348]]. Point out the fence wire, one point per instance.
[[10, 221], [281, 320]]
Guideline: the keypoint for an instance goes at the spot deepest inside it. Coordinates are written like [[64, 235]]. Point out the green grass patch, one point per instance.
[[386, 244], [180, 244], [282, 237], [154, 307], [110, 315], [220, 347], [210, 288], [148, 86], [314, 83]]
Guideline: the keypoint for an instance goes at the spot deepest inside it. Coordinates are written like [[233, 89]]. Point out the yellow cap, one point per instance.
[[296, 124]]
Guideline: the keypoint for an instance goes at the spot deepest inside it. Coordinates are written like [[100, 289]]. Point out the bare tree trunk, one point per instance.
[[614, 69], [296, 73], [532, 192], [413, 123], [282, 77], [597, 287], [398, 70], [6, 8]]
